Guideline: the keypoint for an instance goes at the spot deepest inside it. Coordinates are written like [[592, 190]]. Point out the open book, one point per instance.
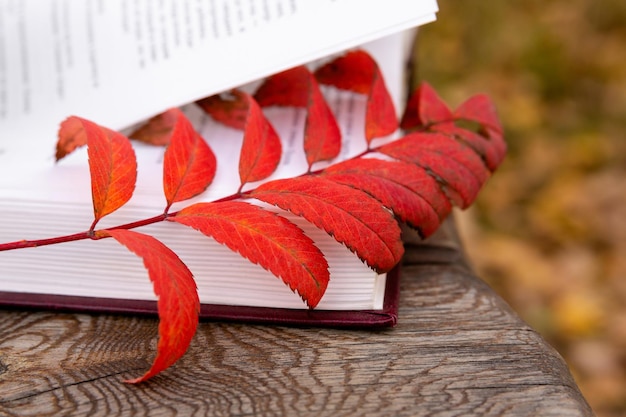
[[132, 62]]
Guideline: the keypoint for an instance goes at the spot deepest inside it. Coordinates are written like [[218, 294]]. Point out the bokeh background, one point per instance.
[[548, 232]]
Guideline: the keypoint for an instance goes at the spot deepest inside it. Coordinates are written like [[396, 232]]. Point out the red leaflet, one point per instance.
[[349, 215], [408, 190], [261, 149], [157, 130], [424, 108], [178, 303], [456, 150], [497, 141], [479, 108], [72, 136], [491, 150], [112, 164], [230, 109], [357, 71], [454, 164], [265, 239], [189, 164], [297, 87]]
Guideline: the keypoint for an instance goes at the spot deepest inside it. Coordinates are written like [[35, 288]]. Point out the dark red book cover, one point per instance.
[[386, 317]]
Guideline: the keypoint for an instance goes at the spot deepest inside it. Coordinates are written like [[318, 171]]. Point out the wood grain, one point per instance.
[[458, 349]]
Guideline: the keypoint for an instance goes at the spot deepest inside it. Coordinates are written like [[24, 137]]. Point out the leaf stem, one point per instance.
[[20, 244], [90, 234], [93, 226]]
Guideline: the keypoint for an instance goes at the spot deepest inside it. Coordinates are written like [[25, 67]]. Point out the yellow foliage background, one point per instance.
[[548, 231]]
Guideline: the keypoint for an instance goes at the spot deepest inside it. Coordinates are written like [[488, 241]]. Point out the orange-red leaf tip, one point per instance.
[[158, 129], [71, 136], [178, 304], [425, 107]]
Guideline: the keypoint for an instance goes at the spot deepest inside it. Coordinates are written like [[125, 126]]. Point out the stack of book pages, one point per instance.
[[118, 63]]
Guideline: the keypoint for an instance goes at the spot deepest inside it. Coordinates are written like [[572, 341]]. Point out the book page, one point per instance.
[[116, 62]]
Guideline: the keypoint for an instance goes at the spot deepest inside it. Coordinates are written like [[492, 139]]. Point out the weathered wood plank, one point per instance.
[[458, 350]]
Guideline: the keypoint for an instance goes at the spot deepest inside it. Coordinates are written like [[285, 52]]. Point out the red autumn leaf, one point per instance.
[[456, 150], [425, 108], [178, 304], [112, 165], [230, 109], [456, 165], [350, 216], [261, 149], [298, 88], [189, 164], [497, 141], [158, 129], [357, 71], [413, 195], [266, 239], [71, 136], [480, 109], [491, 150]]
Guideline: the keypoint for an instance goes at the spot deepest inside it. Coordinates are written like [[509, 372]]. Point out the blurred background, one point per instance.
[[548, 231]]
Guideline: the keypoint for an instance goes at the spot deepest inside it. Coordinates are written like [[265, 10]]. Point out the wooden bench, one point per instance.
[[458, 349]]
